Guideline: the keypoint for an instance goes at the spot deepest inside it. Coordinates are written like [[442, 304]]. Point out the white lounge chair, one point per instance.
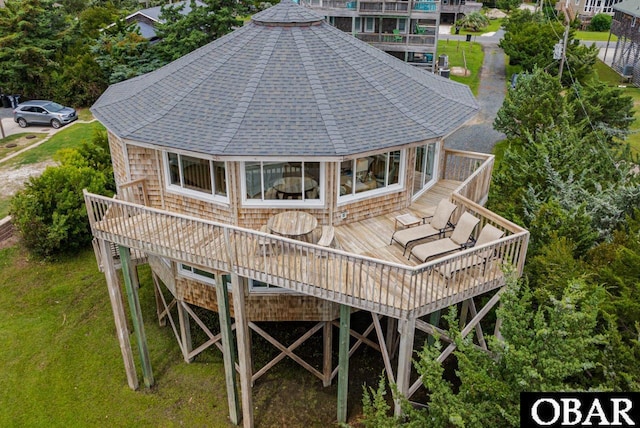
[[488, 234], [460, 238], [440, 222]]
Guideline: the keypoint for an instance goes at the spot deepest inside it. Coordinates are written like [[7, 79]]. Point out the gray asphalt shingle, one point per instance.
[[285, 83]]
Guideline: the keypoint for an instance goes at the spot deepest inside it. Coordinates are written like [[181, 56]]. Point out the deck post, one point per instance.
[[390, 340], [244, 350], [407, 329], [122, 331], [434, 320], [327, 345], [228, 350], [136, 314], [162, 319], [185, 331], [343, 362]]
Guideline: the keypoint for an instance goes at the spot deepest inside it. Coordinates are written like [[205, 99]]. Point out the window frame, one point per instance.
[[434, 175], [284, 203], [180, 189], [378, 191], [191, 273], [269, 289]]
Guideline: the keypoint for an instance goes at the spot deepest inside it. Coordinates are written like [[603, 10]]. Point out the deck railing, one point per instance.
[[362, 282], [376, 6], [398, 39], [473, 169]]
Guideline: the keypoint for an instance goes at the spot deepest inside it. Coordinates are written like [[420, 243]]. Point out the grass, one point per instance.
[[634, 137], [61, 360], [606, 74], [494, 25], [70, 137], [474, 57], [595, 36], [20, 140], [62, 364]]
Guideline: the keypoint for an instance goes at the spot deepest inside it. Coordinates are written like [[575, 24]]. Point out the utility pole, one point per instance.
[[566, 38]]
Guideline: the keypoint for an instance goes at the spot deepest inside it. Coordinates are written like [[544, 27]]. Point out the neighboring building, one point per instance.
[[406, 29], [584, 10], [147, 19], [291, 118], [625, 25]]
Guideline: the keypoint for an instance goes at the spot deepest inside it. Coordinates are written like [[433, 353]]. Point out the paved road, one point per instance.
[[479, 135]]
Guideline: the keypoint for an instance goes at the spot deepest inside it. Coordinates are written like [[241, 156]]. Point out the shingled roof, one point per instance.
[[287, 83]]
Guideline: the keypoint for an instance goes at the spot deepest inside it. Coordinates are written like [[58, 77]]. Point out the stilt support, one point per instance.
[[343, 362], [130, 283], [407, 329], [118, 313], [327, 341], [228, 350], [185, 332], [244, 351]]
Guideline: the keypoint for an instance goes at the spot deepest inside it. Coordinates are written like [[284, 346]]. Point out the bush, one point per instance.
[[49, 213], [473, 22], [600, 22]]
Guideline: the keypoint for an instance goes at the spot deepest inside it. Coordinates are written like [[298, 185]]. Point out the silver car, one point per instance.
[[43, 113]]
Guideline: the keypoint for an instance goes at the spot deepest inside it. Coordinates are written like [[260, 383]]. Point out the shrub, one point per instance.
[[49, 213], [473, 22], [600, 22]]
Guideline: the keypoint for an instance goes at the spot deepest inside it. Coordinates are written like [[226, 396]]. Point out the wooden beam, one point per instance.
[[327, 349], [118, 313], [157, 290], [136, 314], [343, 362], [406, 328], [185, 332], [228, 350], [244, 350]]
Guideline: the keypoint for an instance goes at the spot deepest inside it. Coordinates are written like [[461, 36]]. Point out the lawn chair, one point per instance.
[[439, 224], [460, 239], [488, 234]]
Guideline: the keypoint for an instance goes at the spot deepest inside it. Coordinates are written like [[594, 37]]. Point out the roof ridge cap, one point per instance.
[[319, 94]]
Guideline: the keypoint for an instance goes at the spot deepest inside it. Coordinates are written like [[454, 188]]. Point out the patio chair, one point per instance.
[[439, 224], [488, 234], [460, 239]]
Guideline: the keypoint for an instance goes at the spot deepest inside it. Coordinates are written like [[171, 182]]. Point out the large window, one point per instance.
[[370, 174], [283, 182], [256, 286], [424, 174], [196, 176]]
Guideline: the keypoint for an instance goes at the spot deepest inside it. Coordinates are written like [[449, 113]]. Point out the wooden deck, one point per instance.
[[367, 273], [371, 237]]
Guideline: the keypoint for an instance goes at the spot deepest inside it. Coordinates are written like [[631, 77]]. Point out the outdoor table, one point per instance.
[[292, 224], [291, 187]]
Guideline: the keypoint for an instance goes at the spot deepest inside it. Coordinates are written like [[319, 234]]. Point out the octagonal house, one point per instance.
[[217, 154]]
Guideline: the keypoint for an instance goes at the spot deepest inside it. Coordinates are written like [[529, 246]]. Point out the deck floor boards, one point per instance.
[[308, 269]]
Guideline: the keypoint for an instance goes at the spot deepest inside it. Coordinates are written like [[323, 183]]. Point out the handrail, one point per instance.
[[359, 281]]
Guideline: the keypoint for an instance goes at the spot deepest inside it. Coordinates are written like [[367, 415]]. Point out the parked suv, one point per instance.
[[43, 113]]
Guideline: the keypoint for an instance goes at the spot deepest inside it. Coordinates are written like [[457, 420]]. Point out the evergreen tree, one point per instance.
[[30, 36], [181, 34]]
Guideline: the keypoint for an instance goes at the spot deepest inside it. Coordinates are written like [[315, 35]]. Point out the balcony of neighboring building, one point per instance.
[[374, 7]]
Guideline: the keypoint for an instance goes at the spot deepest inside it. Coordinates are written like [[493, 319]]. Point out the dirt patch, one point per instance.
[[460, 71], [13, 179]]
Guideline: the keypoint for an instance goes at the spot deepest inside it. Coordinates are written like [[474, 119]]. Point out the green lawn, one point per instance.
[[62, 365], [61, 361], [69, 137], [494, 25], [634, 137], [607, 74], [595, 36], [458, 51]]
